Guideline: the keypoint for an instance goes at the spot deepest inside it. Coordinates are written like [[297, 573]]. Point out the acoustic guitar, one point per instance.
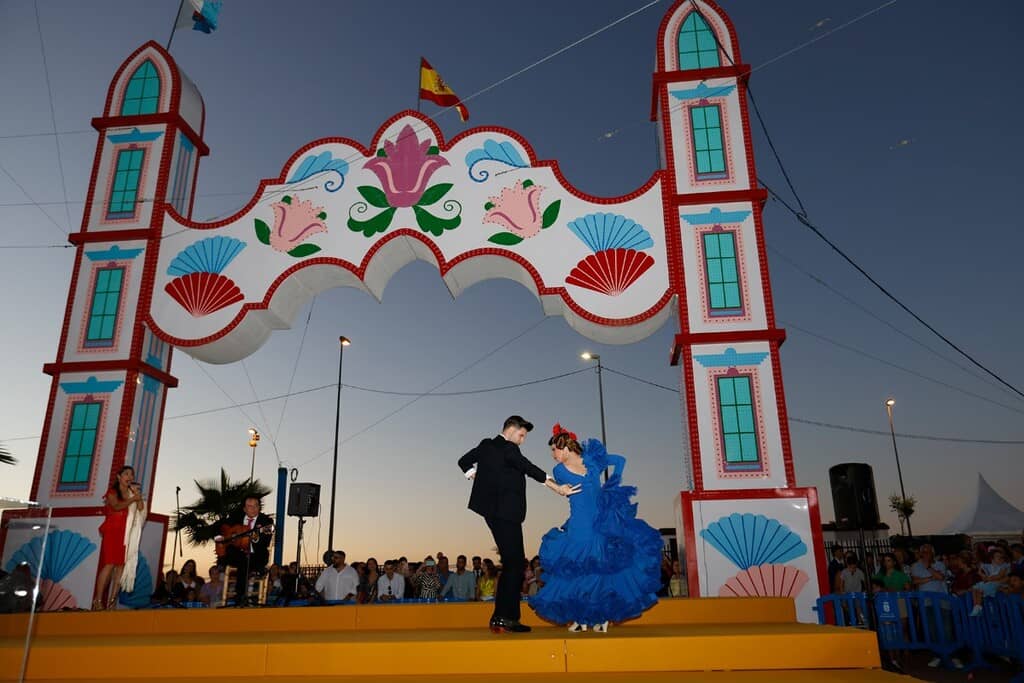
[[238, 535]]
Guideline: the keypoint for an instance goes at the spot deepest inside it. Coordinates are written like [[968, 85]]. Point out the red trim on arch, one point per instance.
[[133, 234], [738, 71], [780, 402], [369, 152], [443, 266], [755, 195]]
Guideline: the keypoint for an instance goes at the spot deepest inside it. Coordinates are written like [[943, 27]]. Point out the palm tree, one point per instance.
[[6, 458], [216, 500]]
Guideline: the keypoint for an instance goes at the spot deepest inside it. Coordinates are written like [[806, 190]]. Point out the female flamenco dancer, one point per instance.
[[603, 565], [124, 515]]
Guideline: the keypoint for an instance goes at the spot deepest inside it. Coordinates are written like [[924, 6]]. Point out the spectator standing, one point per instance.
[[211, 592], [677, 587], [852, 578], [836, 565], [461, 584], [993, 576], [339, 582], [390, 586]]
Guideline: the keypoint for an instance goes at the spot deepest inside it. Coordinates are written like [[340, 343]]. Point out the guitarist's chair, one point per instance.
[[261, 584]]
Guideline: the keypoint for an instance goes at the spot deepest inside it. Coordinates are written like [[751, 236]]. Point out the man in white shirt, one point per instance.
[[339, 581], [390, 586]]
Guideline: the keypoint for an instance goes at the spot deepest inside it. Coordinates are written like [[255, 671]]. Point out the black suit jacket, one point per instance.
[[499, 487], [260, 547]]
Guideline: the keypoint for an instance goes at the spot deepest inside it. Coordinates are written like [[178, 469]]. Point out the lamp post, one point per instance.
[[889, 403], [254, 440], [342, 343], [587, 355]]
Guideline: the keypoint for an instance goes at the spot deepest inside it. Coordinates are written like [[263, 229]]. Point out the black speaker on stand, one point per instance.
[[853, 495], [303, 501]]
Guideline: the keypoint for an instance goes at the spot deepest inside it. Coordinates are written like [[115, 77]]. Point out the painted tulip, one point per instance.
[[294, 223], [405, 168], [517, 209]]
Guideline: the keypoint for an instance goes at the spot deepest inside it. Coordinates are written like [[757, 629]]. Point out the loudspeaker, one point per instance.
[[853, 495], [303, 499]]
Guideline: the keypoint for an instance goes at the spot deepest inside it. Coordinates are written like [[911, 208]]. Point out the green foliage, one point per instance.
[[217, 499]]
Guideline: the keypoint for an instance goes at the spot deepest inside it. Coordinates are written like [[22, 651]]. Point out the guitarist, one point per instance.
[[251, 552]]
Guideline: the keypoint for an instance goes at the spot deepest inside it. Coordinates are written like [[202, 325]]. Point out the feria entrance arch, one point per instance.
[[147, 278]]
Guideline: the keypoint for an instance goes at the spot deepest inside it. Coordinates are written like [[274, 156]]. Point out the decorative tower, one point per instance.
[[745, 527], [111, 375]]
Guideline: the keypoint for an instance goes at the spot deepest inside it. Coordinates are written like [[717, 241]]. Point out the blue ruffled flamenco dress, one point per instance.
[[603, 564]]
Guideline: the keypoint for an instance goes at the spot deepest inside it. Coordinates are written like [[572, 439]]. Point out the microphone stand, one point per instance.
[[177, 529]]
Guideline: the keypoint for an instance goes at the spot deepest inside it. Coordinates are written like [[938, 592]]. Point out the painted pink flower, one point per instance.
[[405, 168], [294, 223], [517, 209]]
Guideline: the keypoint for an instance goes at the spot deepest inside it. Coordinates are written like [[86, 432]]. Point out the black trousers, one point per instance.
[[508, 536]]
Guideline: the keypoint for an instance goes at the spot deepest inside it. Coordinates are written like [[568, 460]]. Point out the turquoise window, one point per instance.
[[106, 300], [81, 445], [708, 149], [722, 272], [124, 193], [142, 96], [739, 436], [698, 48]]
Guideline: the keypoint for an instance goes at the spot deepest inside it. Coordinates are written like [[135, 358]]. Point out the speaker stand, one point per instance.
[[298, 546]]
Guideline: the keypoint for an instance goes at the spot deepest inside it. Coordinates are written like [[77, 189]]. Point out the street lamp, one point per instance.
[[342, 343], [889, 403], [254, 440], [587, 355]]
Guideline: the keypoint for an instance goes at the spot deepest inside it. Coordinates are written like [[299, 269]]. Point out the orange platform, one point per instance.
[[435, 642]]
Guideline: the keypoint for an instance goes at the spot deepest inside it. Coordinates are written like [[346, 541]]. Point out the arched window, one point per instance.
[[143, 93], [697, 46]]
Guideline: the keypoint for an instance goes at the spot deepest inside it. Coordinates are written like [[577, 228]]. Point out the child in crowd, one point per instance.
[[993, 575]]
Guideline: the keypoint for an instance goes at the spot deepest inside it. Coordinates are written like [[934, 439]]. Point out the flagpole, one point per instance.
[[419, 81], [174, 27]]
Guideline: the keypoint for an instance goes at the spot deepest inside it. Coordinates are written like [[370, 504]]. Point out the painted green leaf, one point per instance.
[[262, 231], [432, 194], [374, 196], [506, 239], [304, 250], [378, 223], [286, 199], [433, 150], [551, 214], [488, 206], [381, 152], [322, 215], [527, 183], [428, 222]]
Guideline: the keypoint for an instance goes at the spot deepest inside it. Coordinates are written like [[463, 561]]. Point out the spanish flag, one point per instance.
[[434, 89]]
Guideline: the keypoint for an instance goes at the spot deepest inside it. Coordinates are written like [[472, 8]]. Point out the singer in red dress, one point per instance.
[[123, 493]]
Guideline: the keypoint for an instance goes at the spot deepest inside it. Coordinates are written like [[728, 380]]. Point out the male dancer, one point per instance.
[[499, 470]]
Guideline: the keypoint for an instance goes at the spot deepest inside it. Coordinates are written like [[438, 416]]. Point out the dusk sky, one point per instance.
[[901, 133]]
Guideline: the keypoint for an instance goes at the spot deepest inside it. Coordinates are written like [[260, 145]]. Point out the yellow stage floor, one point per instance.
[[436, 642]]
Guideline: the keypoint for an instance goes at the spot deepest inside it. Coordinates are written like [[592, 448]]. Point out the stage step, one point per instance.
[[372, 617], [693, 647], [777, 676]]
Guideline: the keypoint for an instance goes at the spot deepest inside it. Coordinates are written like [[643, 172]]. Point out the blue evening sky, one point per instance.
[[901, 133]]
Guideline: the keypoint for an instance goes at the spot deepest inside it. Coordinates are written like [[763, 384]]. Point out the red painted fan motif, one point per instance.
[[203, 293], [56, 597], [766, 580], [611, 271]]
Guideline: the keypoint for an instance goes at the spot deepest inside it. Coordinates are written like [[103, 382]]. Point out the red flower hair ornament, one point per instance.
[[559, 429]]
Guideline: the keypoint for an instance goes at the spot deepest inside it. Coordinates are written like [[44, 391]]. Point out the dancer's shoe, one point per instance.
[[577, 628]]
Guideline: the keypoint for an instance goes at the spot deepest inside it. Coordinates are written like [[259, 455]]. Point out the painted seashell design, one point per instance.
[[602, 231], [139, 596], [65, 550], [55, 597], [611, 271], [209, 255], [749, 540], [203, 293], [764, 581]]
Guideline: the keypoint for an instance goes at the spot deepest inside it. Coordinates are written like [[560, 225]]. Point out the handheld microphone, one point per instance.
[[177, 489]]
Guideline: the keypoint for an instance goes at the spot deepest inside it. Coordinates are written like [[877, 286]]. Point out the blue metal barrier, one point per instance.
[[937, 622]]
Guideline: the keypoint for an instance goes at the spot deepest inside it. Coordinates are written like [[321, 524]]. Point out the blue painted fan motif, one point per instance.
[[603, 231], [139, 597], [210, 255], [65, 550], [750, 540]]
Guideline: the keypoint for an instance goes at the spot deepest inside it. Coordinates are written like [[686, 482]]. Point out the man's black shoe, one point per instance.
[[508, 626]]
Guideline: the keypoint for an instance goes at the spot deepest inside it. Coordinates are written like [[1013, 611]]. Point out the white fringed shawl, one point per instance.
[[132, 537]]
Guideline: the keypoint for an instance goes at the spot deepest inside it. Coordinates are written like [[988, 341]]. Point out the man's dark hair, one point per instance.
[[460, 557], [519, 422]]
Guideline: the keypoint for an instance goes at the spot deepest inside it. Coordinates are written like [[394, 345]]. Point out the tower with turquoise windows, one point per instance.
[[745, 526], [111, 374]]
